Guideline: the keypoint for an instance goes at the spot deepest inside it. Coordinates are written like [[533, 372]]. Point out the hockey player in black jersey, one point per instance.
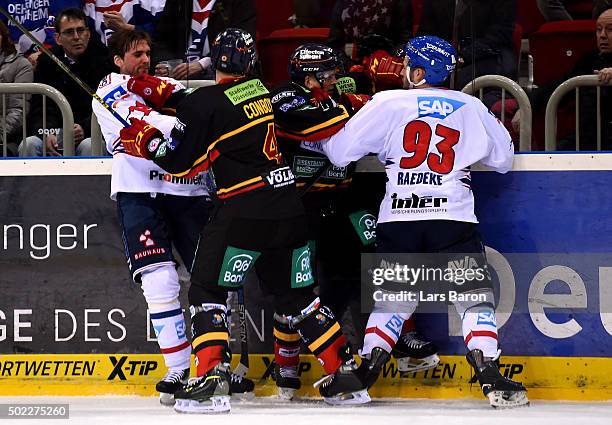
[[258, 223], [337, 228], [341, 217]]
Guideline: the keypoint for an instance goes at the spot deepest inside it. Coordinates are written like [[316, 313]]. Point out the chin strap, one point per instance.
[[413, 85]]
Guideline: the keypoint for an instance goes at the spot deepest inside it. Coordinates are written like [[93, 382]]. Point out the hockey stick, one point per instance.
[[64, 68], [315, 178], [243, 366]]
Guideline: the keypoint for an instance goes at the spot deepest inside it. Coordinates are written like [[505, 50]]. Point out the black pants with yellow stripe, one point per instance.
[[229, 248]]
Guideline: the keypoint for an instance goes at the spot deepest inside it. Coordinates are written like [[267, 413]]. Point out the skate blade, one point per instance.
[[508, 400], [286, 394], [357, 397], [249, 396], [410, 364], [166, 399], [216, 404]]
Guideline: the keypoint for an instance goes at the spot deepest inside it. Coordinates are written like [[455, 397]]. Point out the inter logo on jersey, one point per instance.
[[437, 107]]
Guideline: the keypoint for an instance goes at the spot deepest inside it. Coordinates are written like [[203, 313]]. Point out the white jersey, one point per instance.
[[427, 139], [130, 173]]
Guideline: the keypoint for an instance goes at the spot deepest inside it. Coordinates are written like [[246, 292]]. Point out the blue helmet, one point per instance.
[[434, 55]]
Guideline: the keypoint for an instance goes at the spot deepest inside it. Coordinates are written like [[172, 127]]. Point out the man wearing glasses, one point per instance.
[[87, 59]]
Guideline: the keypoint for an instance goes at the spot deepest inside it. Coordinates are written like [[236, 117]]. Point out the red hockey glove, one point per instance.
[[354, 102], [136, 138], [384, 69], [152, 89]]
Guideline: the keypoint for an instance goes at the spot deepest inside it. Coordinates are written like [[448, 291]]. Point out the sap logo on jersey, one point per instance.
[[437, 107], [114, 95]]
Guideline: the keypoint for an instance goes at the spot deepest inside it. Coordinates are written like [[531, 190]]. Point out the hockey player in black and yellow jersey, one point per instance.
[[339, 227], [258, 222]]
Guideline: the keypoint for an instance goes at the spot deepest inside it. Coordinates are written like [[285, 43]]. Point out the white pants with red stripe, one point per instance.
[[478, 324]]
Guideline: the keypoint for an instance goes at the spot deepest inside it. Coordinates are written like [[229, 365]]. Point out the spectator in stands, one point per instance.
[[597, 62], [555, 10], [185, 28], [353, 20], [600, 6], [88, 60], [14, 68], [483, 35], [39, 18], [312, 13], [108, 16]]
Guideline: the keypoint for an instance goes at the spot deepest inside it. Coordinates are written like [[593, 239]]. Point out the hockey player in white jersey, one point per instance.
[[156, 210], [428, 137]]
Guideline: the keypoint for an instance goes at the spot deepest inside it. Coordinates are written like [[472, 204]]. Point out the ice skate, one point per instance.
[[206, 394], [175, 379], [414, 354], [287, 381], [241, 388], [502, 392], [372, 365], [344, 386]]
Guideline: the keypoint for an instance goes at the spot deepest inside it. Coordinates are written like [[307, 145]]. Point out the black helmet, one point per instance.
[[233, 52], [311, 58]]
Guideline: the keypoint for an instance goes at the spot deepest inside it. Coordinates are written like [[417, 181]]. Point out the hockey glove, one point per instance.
[[140, 139], [384, 70], [152, 89], [354, 102]]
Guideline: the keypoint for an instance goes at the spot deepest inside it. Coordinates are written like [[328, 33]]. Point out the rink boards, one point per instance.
[[550, 378], [66, 288]]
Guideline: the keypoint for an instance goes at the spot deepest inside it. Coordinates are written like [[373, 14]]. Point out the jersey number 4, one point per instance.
[[270, 148], [417, 137]]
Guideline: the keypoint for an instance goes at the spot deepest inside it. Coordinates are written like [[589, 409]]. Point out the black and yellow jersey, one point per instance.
[[301, 123], [228, 130]]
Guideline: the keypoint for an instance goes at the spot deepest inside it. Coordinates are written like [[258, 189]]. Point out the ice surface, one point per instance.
[[115, 410]]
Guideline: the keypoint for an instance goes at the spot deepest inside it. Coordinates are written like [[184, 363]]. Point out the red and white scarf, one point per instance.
[[198, 41]]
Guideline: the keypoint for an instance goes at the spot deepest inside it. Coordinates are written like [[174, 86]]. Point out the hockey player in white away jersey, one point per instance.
[[428, 137], [156, 210]]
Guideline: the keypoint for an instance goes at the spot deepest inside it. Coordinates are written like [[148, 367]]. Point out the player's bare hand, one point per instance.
[[184, 70], [116, 21], [605, 75]]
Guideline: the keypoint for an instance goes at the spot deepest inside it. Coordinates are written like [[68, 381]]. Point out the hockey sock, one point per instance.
[[322, 334], [480, 330], [383, 330], [210, 335], [408, 326], [286, 343], [169, 325], [160, 287]]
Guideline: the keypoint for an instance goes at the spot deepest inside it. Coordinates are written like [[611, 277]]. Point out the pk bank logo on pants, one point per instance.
[[301, 271], [236, 265]]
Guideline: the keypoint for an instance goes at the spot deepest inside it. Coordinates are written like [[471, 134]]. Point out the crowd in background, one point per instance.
[[484, 32]]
